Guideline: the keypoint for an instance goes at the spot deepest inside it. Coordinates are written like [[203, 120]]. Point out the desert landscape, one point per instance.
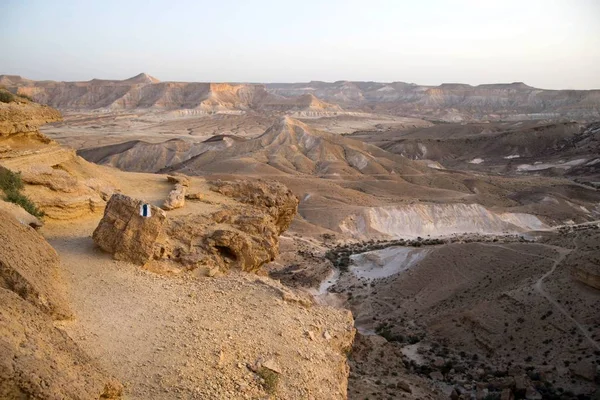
[[466, 253], [236, 230]]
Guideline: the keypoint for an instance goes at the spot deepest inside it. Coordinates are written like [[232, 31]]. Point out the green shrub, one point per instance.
[[10, 181], [11, 184], [25, 203], [6, 97], [271, 379]]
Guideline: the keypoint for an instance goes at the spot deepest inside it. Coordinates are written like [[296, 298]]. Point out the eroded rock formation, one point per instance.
[[23, 117], [29, 267], [277, 199], [243, 234], [178, 195], [37, 360], [59, 182], [125, 233]]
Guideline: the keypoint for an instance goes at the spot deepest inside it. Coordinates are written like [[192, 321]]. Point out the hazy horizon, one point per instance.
[[545, 44]]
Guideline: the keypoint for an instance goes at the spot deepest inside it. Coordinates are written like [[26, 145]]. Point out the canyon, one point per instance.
[[458, 224]]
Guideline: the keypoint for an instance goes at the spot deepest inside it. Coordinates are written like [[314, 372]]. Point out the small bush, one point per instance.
[[11, 184], [25, 203], [10, 181], [6, 97], [271, 379], [414, 339]]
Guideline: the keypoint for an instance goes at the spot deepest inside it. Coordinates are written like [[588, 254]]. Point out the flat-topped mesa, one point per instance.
[[146, 92], [243, 235]]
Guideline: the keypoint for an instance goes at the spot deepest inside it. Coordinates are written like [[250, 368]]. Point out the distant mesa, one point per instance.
[[144, 91], [450, 102]]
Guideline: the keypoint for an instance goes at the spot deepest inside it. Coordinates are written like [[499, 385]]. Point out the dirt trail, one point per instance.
[[175, 337], [563, 252]]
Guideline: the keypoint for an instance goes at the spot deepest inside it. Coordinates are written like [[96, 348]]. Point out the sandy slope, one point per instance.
[[181, 337]]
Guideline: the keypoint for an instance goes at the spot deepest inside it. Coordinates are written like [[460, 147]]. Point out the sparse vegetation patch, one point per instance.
[[6, 96], [270, 378], [11, 184]]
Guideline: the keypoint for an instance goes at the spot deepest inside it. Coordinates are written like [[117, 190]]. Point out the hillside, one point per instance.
[[102, 302], [142, 156], [453, 102], [292, 147], [511, 148], [512, 316], [350, 187], [146, 92]]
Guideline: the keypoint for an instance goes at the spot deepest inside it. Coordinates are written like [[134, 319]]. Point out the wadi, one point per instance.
[[319, 240]]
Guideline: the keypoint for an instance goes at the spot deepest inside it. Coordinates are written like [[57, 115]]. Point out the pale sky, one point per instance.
[[552, 44]]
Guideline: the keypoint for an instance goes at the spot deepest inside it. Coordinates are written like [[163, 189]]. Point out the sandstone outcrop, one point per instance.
[[24, 116], [277, 199], [125, 233], [20, 214], [59, 182], [243, 234], [37, 360], [176, 198], [29, 267], [179, 179]]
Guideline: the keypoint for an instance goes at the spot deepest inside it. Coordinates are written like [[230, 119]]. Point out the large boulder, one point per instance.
[[176, 198], [20, 214], [125, 233], [29, 267]]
